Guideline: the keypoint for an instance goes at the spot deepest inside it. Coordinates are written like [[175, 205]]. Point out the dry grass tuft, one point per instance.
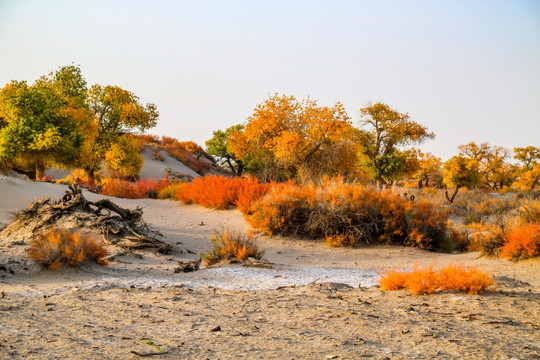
[[233, 246], [59, 245]]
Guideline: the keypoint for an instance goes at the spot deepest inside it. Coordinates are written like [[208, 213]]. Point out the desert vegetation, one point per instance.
[[295, 167], [429, 281], [60, 245], [231, 246]]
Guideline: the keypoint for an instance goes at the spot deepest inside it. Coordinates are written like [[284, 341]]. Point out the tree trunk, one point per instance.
[[451, 199], [40, 171], [91, 174]]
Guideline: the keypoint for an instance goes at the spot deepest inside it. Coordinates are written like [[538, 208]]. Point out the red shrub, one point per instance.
[[134, 190], [250, 190], [522, 242], [220, 192]]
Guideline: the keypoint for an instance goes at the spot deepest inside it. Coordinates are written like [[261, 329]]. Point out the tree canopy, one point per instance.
[[43, 123], [285, 138], [59, 121], [383, 135], [460, 171], [220, 147]]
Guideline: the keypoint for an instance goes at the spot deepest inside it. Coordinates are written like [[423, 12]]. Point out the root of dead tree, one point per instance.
[[116, 225]]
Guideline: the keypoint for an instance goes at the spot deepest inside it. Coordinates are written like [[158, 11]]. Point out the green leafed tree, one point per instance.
[[383, 137], [43, 123], [219, 146], [460, 171]]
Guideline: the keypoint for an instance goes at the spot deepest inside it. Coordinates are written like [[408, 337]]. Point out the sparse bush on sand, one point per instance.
[[60, 245], [229, 245], [429, 281]]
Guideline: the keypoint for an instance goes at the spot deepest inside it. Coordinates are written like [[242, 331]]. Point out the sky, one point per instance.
[[468, 70]]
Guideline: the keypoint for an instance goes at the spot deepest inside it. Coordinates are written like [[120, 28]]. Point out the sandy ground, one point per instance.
[[300, 309]]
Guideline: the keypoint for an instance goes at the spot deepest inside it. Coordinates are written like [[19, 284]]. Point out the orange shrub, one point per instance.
[[60, 245], [82, 179], [221, 192], [393, 280], [284, 209], [429, 281], [471, 280], [356, 212], [134, 190], [231, 246], [422, 281], [522, 242], [250, 189], [218, 192]]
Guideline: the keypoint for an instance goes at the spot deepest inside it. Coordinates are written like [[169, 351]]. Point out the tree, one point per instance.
[[460, 171], [495, 171], [116, 112], [530, 159], [384, 132], [429, 167], [43, 124], [284, 137], [220, 147]]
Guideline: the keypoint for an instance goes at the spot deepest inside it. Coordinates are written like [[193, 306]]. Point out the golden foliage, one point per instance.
[[290, 134], [124, 156], [60, 245]]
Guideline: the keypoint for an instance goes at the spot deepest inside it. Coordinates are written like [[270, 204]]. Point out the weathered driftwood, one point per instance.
[[117, 226]]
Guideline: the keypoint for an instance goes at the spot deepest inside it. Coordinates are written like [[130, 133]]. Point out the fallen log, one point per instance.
[[116, 225]]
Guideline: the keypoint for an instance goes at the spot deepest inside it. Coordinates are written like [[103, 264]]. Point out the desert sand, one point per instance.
[[316, 303]]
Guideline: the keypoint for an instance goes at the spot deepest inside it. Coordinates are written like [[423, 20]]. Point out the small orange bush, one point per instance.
[[522, 242], [429, 281], [231, 246], [60, 245], [134, 190]]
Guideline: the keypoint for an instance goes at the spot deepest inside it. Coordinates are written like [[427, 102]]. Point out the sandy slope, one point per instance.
[[96, 312]]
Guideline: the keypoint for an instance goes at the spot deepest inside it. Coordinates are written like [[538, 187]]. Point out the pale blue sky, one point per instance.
[[468, 70]]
